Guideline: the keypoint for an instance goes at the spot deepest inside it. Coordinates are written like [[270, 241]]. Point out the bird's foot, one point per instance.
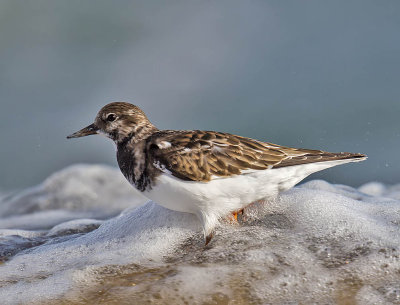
[[237, 216]]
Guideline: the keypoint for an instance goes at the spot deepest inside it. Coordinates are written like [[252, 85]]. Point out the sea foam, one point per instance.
[[86, 236]]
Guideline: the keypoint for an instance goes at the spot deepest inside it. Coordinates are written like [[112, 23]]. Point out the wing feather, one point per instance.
[[199, 155]]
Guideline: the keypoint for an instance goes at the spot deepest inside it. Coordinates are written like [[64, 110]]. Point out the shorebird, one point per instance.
[[210, 174]]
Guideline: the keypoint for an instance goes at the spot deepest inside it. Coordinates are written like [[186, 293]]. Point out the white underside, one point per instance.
[[220, 196]]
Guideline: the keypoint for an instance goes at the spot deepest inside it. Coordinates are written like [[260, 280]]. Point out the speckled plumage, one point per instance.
[[199, 155], [207, 173]]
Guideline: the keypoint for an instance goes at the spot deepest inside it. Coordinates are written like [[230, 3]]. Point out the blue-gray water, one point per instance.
[[314, 74]]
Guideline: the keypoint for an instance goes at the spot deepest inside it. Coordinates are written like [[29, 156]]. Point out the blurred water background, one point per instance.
[[313, 74]]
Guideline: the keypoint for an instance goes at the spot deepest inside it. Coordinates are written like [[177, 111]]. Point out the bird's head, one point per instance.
[[118, 121]]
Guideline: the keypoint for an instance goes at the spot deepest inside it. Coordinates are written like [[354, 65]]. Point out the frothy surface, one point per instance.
[[86, 236]]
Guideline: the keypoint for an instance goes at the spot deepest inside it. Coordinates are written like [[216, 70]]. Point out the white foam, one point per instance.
[[79, 191], [318, 243], [377, 189], [22, 233], [74, 227]]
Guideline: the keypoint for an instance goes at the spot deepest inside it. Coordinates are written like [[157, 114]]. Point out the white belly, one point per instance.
[[223, 195]]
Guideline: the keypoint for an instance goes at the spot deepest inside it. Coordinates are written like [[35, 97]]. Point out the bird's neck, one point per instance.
[[134, 162], [135, 134]]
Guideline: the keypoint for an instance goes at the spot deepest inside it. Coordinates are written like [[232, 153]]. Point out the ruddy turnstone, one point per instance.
[[207, 173]]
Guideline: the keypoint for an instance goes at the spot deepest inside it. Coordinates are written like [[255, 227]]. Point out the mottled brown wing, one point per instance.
[[199, 155]]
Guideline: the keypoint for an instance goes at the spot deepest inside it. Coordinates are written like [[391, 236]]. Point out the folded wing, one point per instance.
[[201, 155]]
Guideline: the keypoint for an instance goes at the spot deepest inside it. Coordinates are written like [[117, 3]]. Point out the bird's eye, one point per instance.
[[111, 117]]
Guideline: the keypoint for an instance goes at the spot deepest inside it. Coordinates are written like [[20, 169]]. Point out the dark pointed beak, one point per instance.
[[87, 131]]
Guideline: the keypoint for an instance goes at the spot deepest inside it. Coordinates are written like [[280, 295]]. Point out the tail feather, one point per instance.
[[321, 157]]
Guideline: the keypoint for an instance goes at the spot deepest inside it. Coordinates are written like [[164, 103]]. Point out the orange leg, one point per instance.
[[238, 215], [234, 214]]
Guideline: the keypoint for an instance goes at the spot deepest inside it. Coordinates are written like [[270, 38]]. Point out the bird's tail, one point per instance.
[[323, 157]]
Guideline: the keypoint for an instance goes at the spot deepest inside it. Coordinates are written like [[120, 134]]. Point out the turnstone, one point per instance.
[[207, 173]]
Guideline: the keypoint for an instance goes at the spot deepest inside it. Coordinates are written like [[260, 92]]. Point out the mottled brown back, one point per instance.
[[198, 155]]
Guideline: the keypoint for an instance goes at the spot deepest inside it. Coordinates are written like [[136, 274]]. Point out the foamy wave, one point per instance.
[[318, 243]]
